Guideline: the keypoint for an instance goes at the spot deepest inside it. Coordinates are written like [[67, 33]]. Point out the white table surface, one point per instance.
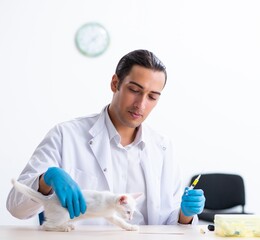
[[163, 232]]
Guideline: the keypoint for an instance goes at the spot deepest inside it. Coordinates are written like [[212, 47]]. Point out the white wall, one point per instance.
[[210, 106]]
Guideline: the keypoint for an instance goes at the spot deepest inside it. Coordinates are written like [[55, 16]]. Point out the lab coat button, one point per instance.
[[105, 169], [90, 142]]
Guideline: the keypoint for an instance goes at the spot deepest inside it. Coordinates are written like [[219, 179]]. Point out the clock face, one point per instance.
[[92, 39]]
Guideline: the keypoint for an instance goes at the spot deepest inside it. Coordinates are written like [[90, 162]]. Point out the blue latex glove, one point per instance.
[[67, 191], [193, 202]]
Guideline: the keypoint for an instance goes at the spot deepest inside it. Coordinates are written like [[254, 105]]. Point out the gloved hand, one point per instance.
[[67, 190], [193, 202]]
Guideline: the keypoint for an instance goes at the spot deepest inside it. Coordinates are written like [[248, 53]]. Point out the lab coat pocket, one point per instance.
[[84, 179]]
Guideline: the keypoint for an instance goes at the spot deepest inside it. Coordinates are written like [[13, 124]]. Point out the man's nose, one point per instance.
[[140, 102]]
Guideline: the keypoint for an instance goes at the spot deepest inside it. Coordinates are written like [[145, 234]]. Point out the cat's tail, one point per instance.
[[29, 192]]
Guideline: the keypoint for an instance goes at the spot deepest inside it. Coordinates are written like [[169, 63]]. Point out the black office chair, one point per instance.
[[222, 192]]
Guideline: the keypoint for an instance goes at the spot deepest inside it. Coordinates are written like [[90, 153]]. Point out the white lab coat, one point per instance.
[[82, 148]]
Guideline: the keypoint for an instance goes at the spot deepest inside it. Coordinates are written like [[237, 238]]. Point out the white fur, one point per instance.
[[113, 207]]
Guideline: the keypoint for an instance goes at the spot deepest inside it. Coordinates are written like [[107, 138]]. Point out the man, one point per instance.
[[113, 151]]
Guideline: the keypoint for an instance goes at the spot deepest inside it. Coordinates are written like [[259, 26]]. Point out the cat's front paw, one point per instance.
[[135, 228], [132, 228]]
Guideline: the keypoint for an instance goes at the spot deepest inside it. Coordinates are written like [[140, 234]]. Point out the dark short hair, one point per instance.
[[143, 58]]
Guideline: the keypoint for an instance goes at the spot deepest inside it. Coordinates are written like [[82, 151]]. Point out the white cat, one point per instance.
[[113, 207]]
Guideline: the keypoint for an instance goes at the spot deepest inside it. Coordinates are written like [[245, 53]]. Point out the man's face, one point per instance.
[[136, 97]]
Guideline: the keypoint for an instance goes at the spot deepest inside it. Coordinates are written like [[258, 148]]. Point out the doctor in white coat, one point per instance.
[[115, 151]]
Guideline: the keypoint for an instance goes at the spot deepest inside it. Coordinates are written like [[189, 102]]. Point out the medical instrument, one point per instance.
[[195, 182]]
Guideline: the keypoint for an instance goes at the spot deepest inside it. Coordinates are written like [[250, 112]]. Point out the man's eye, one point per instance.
[[153, 97], [133, 90]]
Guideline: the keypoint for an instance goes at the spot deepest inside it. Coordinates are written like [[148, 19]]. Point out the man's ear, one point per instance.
[[114, 83]]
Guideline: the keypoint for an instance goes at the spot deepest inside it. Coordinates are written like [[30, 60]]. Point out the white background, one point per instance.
[[210, 106]]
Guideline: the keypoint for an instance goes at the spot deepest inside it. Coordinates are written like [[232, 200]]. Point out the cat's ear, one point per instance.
[[137, 195], [122, 199]]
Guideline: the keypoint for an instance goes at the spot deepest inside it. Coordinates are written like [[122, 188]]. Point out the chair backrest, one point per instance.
[[222, 191]]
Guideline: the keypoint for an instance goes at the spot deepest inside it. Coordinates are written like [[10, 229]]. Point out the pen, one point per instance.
[[196, 180]]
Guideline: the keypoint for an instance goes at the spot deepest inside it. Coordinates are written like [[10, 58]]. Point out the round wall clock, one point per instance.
[[92, 39]]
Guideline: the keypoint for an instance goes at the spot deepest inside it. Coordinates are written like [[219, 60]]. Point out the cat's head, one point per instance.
[[126, 204]]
